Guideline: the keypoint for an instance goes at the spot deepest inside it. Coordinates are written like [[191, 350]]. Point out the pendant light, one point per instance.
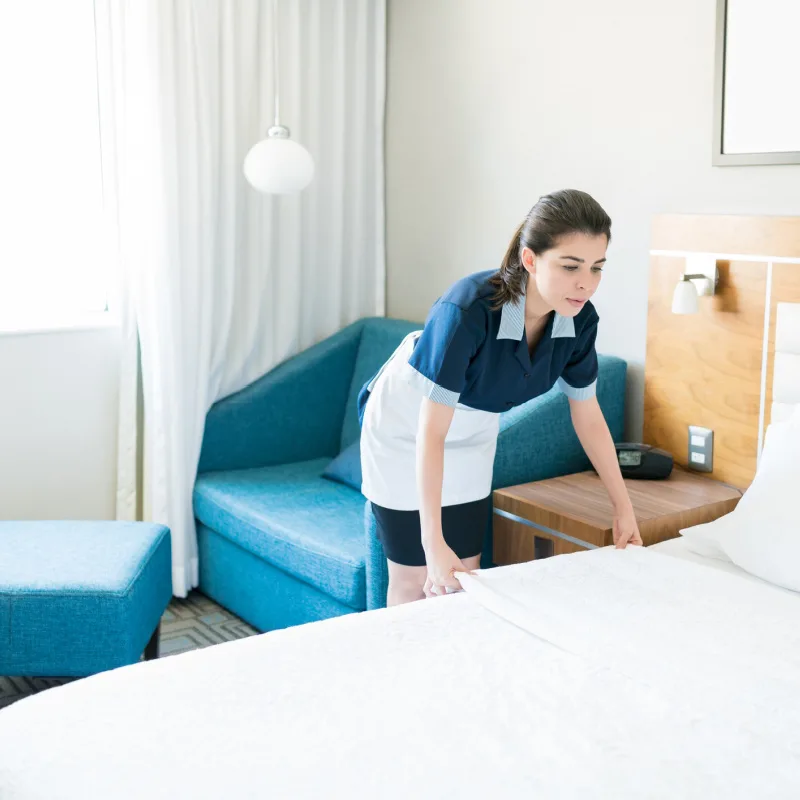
[[278, 164]]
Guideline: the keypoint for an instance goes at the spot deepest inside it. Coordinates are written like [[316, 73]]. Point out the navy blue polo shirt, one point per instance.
[[473, 355]]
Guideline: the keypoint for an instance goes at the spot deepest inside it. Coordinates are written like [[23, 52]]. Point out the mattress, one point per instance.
[[624, 674]]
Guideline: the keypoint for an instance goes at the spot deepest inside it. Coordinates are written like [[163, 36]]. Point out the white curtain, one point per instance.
[[217, 283]]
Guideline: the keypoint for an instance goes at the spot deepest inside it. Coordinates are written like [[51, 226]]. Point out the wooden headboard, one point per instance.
[[715, 368]]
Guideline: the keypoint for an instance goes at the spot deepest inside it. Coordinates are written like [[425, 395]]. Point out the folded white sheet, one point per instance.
[[623, 674]]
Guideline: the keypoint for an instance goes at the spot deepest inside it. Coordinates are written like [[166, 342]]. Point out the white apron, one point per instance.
[[389, 433]]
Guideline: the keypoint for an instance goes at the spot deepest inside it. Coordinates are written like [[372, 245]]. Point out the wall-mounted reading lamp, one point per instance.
[[699, 279]]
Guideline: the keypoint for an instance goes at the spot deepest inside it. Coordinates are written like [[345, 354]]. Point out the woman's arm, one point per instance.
[[434, 422], [595, 438], [442, 562]]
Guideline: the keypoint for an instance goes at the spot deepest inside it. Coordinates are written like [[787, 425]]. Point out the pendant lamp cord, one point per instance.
[[275, 60]]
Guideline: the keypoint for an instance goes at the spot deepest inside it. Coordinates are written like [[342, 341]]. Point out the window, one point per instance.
[[51, 243]]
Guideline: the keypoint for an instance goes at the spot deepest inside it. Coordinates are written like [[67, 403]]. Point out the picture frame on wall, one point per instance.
[[756, 80]]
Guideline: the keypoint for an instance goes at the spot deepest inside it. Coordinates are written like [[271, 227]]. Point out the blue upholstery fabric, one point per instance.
[[262, 595], [377, 572], [78, 598], [280, 544], [285, 416], [378, 341], [293, 519], [346, 467]]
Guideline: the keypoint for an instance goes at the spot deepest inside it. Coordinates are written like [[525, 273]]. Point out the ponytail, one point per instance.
[[511, 260], [509, 279]]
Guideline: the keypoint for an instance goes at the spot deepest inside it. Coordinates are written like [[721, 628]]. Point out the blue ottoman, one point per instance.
[[78, 598]]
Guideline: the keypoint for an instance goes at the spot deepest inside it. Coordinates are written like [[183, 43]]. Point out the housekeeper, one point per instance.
[[494, 340]]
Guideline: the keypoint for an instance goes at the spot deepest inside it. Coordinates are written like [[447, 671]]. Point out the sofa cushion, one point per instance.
[[294, 519], [346, 467], [379, 340]]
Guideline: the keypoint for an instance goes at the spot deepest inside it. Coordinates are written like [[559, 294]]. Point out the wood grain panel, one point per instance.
[[706, 368], [719, 233]]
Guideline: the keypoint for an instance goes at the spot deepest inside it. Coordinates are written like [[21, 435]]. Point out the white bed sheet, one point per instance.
[[624, 674]]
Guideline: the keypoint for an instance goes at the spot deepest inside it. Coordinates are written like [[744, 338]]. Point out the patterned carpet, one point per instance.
[[187, 624]]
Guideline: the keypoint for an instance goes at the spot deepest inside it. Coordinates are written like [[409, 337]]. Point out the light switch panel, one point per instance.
[[701, 448]]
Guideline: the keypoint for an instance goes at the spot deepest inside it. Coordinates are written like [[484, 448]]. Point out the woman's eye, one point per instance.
[[597, 269], [569, 267]]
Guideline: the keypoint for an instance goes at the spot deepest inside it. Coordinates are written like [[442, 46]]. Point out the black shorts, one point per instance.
[[464, 527]]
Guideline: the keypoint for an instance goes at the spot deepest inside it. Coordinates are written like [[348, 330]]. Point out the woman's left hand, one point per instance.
[[626, 531]]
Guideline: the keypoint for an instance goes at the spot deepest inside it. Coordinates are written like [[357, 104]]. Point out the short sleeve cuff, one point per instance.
[[577, 393], [435, 392], [443, 396]]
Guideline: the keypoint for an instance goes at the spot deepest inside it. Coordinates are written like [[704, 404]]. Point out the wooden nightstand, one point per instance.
[[573, 513]]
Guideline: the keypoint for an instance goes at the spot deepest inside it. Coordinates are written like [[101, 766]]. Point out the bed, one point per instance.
[[634, 673], [666, 672]]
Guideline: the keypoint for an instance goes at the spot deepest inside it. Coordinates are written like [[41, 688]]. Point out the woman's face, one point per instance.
[[568, 274]]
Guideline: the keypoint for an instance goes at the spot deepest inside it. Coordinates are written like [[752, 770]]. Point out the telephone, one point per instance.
[[637, 460]]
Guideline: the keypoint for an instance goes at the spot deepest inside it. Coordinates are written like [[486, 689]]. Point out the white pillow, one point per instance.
[[704, 539], [762, 534]]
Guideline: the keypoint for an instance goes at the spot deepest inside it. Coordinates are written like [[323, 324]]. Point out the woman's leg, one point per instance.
[[464, 528], [405, 583], [399, 532]]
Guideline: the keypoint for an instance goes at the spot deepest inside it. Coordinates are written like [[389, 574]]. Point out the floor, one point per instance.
[[187, 624]]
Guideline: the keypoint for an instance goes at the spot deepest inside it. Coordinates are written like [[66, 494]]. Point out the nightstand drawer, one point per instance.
[[515, 542]]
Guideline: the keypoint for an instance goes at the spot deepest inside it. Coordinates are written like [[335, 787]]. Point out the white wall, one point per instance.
[[58, 424], [492, 104]]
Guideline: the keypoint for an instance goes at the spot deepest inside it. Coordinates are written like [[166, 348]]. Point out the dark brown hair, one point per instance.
[[554, 215]]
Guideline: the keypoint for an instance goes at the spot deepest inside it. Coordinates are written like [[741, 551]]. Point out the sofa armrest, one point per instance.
[[293, 413], [377, 572]]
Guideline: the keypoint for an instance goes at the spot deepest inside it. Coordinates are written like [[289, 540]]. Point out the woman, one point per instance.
[[494, 340]]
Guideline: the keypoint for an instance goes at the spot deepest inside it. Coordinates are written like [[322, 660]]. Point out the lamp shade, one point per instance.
[[684, 299], [278, 165]]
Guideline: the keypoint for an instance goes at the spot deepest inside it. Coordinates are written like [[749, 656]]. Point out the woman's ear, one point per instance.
[[528, 260]]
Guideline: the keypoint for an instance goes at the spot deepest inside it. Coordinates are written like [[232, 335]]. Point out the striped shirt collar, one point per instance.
[[512, 322]]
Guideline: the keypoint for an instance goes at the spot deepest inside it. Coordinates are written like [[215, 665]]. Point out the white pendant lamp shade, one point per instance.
[[684, 300], [278, 165]]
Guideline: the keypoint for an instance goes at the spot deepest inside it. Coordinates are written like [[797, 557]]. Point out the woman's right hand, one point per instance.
[[442, 564]]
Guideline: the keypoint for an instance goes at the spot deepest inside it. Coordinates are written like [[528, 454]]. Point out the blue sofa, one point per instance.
[[279, 544]]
